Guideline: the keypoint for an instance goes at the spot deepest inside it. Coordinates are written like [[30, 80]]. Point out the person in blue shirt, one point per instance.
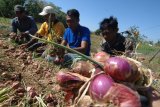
[[76, 36], [24, 24]]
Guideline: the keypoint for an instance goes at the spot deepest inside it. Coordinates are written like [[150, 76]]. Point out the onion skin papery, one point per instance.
[[64, 77], [99, 87], [118, 68], [101, 57], [83, 68], [135, 74], [122, 96], [69, 81], [98, 70]]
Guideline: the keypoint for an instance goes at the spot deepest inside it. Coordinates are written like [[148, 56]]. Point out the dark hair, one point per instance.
[[109, 22], [73, 12]]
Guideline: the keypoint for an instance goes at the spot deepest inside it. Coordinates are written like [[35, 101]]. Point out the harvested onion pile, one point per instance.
[[111, 84]]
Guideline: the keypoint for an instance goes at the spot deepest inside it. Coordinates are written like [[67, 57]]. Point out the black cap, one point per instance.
[[19, 8]]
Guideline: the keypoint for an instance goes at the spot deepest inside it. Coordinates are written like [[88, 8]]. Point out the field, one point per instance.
[[19, 66]]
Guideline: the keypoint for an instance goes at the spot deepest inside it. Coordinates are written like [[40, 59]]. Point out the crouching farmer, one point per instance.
[[24, 24]]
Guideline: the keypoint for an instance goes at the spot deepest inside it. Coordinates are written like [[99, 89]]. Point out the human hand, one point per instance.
[[23, 34], [58, 60], [38, 35]]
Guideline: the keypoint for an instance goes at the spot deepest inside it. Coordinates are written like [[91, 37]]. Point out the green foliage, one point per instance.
[[97, 32], [146, 49], [157, 43], [5, 21], [7, 7], [33, 8]]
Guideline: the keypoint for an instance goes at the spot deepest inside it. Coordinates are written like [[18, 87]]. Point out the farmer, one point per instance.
[[113, 41], [25, 24], [52, 29], [76, 36]]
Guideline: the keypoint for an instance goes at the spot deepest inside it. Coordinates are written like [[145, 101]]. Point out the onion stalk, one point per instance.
[[69, 49]]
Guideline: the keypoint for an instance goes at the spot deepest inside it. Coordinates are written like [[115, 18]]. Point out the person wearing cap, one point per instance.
[[52, 29], [25, 24], [76, 36], [50, 16]]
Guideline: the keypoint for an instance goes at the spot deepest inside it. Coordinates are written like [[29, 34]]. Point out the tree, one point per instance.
[[33, 8], [7, 7], [135, 33], [97, 32]]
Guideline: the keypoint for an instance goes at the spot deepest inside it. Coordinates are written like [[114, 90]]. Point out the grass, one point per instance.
[[146, 49], [95, 43], [4, 25], [148, 52], [5, 21]]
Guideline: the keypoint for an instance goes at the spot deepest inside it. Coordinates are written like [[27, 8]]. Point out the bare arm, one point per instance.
[[82, 48], [64, 42]]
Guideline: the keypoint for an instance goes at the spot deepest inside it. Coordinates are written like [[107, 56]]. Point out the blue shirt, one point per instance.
[[74, 39], [27, 24]]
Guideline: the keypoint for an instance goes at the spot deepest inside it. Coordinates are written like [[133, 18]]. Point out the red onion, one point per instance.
[[135, 74], [122, 96], [118, 68], [83, 68], [99, 86], [101, 57], [69, 81], [98, 70], [64, 77]]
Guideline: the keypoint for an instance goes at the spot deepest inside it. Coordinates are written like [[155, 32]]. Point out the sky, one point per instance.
[[144, 14]]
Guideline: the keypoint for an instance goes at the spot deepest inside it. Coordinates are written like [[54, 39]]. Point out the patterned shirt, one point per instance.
[[122, 44]]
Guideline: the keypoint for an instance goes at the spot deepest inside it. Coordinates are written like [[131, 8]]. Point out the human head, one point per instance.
[[109, 28], [19, 10], [47, 11], [72, 18]]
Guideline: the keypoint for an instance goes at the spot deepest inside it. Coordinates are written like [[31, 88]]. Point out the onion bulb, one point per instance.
[[69, 81], [101, 57], [83, 68], [99, 87], [63, 77], [122, 96], [118, 68]]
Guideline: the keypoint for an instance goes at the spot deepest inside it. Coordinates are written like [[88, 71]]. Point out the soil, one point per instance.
[[18, 65]]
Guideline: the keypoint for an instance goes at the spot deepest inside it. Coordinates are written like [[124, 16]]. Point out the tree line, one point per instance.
[[32, 7]]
